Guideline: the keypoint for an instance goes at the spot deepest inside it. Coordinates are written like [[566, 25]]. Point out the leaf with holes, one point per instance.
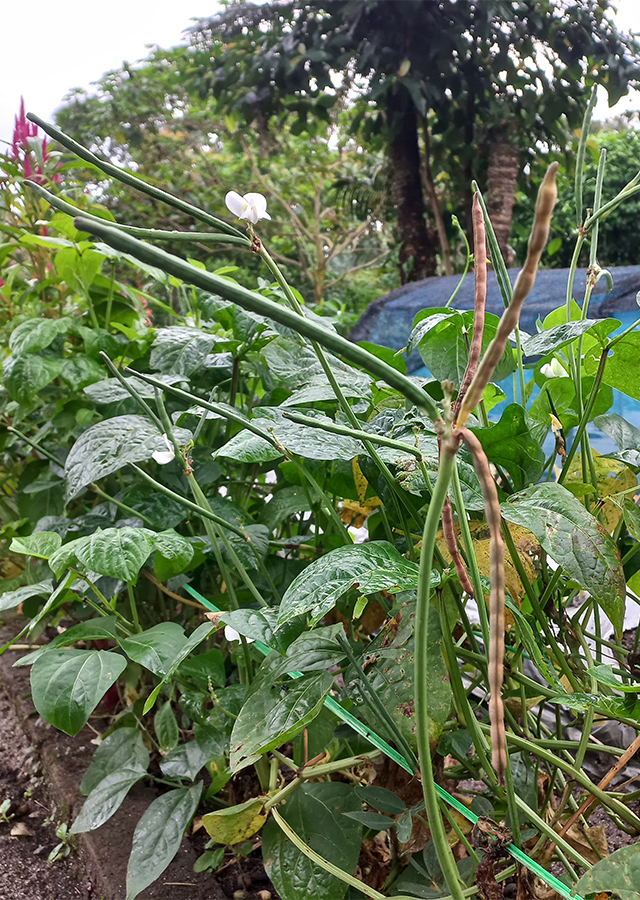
[[108, 446], [270, 717], [376, 566], [620, 872], [316, 812], [575, 540]]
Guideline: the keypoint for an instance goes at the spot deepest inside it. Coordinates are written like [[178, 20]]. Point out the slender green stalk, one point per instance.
[[152, 234], [134, 608], [582, 147], [128, 386], [421, 676], [33, 444], [125, 177], [254, 302], [584, 421], [356, 433], [188, 504], [467, 263], [322, 863], [121, 505]]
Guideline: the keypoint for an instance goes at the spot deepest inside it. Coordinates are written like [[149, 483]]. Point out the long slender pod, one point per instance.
[[132, 180], [480, 299], [509, 321], [496, 601], [254, 302]]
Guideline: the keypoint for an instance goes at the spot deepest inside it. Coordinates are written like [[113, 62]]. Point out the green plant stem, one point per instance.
[[123, 506], [126, 384], [125, 177], [188, 504], [23, 437], [324, 864], [377, 706], [584, 421], [344, 403], [356, 433], [134, 608], [617, 806], [421, 676], [254, 302]]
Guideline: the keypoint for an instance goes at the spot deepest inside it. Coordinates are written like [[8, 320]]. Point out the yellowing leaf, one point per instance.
[[526, 545], [612, 477], [405, 65], [236, 824]]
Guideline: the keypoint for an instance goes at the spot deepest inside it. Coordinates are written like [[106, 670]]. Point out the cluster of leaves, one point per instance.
[[222, 465]]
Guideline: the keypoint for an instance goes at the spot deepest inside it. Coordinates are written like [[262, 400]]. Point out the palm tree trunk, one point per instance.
[[417, 250], [433, 199], [502, 178]]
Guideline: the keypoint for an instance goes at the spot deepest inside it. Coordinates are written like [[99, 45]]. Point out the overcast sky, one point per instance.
[[48, 48]]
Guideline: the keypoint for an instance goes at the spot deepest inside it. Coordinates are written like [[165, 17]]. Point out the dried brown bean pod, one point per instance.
[[448, 529], [547, 195], [496, 601], [480, 299]]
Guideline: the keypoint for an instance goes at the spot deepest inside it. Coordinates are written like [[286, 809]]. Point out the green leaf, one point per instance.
[[118, 750], [78, 269], [605, 675], [100, 629], [510, 445], [372, 820], [625, 435], [80, 371], [42, 544], [25, 376], [376, 566], [631, 520], [248, 447], [67, 685], [389, 667], [166, 727], [620, 872], [554, 338], [236, 824], [381, 799], [186, 760], [158, 836], [161, 510], [36, 334], [180, 350], [11, 599], [575, 540], [205, 668], [106, 798], [621, 370], [260, 625], [200, 634], [107, 446], [442, 335], [270, 717], [316, 813], [313, 651], [157, 647], [173, 554], [285, 503], [116, 552]]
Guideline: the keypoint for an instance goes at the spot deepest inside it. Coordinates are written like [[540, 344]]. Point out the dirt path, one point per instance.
[[29, 836]]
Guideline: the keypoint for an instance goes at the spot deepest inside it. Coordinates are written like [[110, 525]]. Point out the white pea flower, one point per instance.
[[554, 369], [232, 635], [162, 457], [252, 206]]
